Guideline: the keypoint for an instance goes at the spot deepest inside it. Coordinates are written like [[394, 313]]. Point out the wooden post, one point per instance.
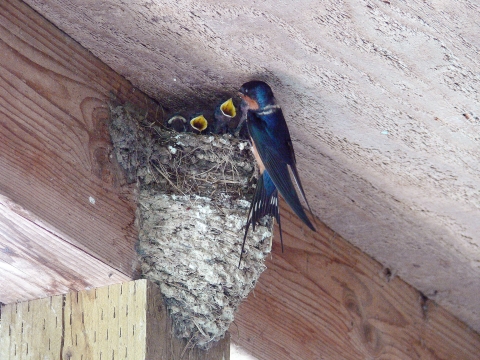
[[121, 321]]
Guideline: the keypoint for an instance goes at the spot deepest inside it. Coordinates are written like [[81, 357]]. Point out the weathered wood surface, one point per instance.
[[321, 299], [35, 262], [325, 299], [121, 321], [55, 163], [374, 91]]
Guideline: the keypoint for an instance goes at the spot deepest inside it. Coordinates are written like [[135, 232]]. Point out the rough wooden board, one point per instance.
[[325, 299], [54, 143], [35, 262], [42, 320], [121, 321], [161, 344], [374, 92], [273, 305]]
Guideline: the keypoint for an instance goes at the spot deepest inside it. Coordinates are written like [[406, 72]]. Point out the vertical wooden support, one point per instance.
[[121, 321]]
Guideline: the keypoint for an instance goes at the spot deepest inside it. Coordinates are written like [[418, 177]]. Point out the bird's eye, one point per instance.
[[246, 91]]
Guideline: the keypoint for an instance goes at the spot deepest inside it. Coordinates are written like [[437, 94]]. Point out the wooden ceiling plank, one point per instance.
[[325, 299]]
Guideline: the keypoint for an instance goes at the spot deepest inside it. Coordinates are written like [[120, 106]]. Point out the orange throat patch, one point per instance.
[[252, 104]]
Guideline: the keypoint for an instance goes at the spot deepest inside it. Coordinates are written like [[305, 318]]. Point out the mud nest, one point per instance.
[[191, 214]]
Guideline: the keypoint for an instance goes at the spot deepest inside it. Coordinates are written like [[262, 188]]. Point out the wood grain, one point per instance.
[[54, 144], [120, 321], [36, 322], [321, 299], [381, 97], [36, 262], [325, 299]]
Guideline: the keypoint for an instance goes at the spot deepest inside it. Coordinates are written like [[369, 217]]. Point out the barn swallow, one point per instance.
[[198, 123], [177, 122], [223, 115], [273, 151]]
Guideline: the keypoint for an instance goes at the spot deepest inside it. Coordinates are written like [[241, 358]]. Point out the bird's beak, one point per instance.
[[199, 123], [228, 109]]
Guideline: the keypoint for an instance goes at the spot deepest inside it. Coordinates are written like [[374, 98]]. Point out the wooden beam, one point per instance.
[[55, 155], [121, 321], [322, 298], [36, 262], [325, 299]]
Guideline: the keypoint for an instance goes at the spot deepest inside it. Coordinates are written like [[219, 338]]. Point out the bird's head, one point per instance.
[[257, 94]]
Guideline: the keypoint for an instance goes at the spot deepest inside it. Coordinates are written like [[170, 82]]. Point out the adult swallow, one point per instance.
[[273, 151]]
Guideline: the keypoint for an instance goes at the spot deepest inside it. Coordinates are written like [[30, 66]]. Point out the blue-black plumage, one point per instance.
[[273, 150]]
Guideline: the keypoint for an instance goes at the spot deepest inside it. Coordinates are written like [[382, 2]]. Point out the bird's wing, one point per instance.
[[277, 155], [293, 167], [265, 202]]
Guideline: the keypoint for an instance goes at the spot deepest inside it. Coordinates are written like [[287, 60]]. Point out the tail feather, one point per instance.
[[265, 202]]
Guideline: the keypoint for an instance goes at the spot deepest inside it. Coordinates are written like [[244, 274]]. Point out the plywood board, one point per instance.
[[121, 321]]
